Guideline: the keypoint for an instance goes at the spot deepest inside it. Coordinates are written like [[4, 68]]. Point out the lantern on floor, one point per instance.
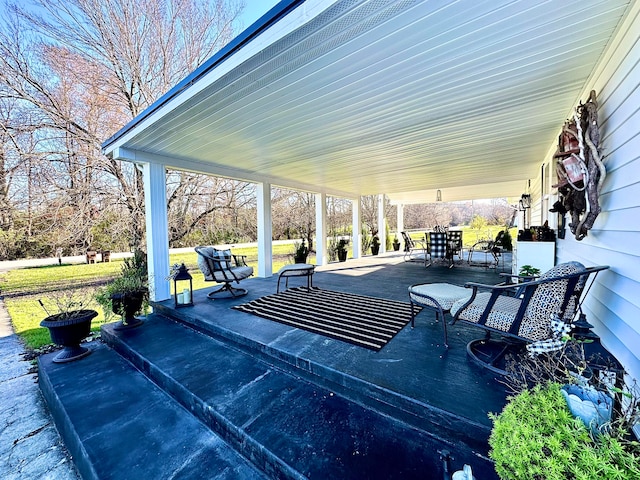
[[182, 287]]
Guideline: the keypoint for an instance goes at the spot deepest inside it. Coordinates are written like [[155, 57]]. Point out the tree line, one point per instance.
[[72, 73]]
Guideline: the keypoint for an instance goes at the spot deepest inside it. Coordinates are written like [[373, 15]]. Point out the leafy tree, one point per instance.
[[478, 223]]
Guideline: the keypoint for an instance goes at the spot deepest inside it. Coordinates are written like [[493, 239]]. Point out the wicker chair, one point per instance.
[[223, 267], [521, 313]]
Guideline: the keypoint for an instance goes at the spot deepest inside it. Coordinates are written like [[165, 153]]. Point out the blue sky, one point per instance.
[[254, 9]]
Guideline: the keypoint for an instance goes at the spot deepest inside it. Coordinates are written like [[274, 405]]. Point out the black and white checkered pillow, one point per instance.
[[559, 331]]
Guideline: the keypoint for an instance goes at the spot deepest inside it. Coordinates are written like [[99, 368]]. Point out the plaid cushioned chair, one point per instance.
[[454, 243], [436, 246], [223, 267], [521, 313]]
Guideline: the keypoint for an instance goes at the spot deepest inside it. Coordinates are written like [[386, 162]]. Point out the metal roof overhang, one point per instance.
[[399, 97]]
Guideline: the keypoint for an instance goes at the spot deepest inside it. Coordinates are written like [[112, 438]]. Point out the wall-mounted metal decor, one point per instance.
[[579, 168]]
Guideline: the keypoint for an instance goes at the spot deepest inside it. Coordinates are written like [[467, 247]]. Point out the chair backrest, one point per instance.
[[560, 287], [408, 243], [455, 237], [211, 259], [437, 244]]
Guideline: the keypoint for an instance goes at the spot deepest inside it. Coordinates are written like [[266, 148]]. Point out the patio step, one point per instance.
[[285, 425], [441, 423], [117, 424]]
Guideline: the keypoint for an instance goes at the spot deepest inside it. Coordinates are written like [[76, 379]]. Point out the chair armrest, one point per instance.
[[240, 260], [521, 277], [484, 286]]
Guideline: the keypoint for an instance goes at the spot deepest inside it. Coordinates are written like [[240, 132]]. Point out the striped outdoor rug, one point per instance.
[[364, 321]]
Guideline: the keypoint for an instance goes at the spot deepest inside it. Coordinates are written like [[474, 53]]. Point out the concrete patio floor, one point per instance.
[[338, 411]]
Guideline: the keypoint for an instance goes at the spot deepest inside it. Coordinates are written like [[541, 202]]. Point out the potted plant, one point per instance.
[[301, 252], [341, 249], [507, 241], [396, 244], [375, 245], [529, 272], [127, 294], [68, 327]]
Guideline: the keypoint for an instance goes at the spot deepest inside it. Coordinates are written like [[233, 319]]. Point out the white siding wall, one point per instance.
[[613, 305]]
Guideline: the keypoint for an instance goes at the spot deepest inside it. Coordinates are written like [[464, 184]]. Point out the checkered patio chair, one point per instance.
[[436, 247], [521, 314], [454, 243]]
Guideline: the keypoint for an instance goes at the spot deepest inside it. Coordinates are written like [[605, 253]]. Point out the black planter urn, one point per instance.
[[69, 330], [127, 305], [342, 255], [300, 259], [375, 249]]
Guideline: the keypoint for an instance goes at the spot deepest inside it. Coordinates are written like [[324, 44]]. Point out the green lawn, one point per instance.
[[23, 288]]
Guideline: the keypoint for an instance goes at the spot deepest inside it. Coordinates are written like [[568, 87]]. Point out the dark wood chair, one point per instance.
[[222, 266], [521, 313]]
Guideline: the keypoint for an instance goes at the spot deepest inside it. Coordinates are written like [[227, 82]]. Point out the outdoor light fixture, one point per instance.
[[582, 329], [182, 291], [438, 196], [523, 204]]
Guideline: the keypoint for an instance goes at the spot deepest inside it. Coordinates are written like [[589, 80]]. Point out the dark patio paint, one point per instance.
[[294, 403]]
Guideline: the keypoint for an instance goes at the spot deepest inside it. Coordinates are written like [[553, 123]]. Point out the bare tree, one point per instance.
[[369, 205], [87, 67], [194, 198], [293, 214]]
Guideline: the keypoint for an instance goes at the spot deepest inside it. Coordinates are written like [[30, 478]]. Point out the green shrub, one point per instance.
[[507, 241], [478, 222], [536, 438], [388, 240]]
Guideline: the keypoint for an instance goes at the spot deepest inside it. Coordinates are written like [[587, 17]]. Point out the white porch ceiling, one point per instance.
[[395, 97]]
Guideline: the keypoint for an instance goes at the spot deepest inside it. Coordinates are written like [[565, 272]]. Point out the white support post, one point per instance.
[[382, 231], [321, 229], [356, 227], [265, 230], [155, 203], [400, 220]]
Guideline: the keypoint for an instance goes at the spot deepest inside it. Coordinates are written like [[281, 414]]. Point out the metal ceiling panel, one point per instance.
[[395, 97]]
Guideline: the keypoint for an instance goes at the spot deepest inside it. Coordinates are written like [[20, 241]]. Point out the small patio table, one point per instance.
[[439, 297], [296, 270]]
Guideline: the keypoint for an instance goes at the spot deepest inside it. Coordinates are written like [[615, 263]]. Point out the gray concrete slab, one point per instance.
[[30, 446]]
